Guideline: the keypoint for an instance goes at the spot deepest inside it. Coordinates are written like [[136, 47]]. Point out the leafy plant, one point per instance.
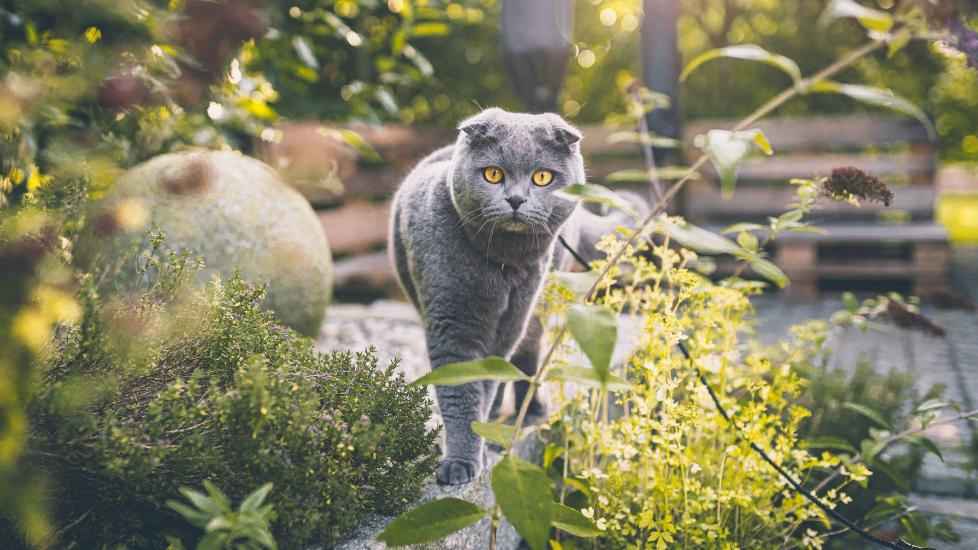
[[246, 528], [168, 385]]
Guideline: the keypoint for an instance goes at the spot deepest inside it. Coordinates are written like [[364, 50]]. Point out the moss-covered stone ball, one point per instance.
[[234, 211]]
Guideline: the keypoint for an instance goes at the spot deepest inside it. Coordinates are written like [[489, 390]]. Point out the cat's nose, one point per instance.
[[515, 201]]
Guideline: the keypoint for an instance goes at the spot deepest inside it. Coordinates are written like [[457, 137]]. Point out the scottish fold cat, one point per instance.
[[473, 233]]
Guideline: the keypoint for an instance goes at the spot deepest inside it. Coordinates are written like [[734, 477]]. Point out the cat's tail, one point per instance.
[[585, 229]]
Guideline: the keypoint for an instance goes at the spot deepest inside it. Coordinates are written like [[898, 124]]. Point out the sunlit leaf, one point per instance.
[[749, 52], [595, 329], [635, 175], [523, 493], [879, 97], [936, 404], [700, 240], [591, 192], [630, 136], [354, 140], [870, 19], [493, 431], [571, 521], [586, 377], [430, 28], [305, 52], [490, 368], [578, 282], [727, 150], [829, 442], [431, 521], [768, 270]]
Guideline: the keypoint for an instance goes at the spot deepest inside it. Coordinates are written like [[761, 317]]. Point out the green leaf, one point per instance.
[[737, 227], [498, 433], [748, 241], [489, 368], [829, 442], [586, 377], [253, 501], [749, 52], [217, 496], [192, 515], [936, 404], [700, 240], [578, 282], [354, 140], [631, 136], [869, 413], [768, 270], [523, 493], [304, 52], [870, 19], [595, 328], [430, 29], [431, 521], [635, 175], [727, 151], [591, 192], [879, 97], [571, 521], [926, 443], [898, 41], [201, 501]]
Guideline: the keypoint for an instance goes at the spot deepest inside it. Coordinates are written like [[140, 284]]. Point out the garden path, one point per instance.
[[949, 488]]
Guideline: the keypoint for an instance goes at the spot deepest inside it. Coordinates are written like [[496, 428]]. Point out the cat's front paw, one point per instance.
[[457, 471]]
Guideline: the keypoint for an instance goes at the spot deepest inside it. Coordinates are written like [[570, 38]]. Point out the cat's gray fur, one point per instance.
[[472, 256]]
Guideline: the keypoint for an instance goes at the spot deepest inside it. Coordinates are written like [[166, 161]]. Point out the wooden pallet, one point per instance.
[[910, 258]]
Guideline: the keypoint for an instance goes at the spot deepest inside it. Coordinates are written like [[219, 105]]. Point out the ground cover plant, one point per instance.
[[693, 440], [167, 386]]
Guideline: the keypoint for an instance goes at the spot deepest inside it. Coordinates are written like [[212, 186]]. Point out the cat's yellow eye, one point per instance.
[[543, 177], [493, 175]]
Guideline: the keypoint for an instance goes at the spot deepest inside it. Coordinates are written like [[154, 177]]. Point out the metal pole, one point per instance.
[[660, 68]]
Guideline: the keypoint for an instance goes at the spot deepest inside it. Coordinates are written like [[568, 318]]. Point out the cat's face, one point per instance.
[[507, 167]]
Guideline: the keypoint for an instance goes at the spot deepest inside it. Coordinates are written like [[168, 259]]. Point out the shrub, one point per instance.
[[177, 386]]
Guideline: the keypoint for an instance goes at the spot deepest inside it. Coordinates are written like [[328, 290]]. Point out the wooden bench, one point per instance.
[[869, 248]]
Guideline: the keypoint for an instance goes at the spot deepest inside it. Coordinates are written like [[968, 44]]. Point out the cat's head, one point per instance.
[[507, 166]]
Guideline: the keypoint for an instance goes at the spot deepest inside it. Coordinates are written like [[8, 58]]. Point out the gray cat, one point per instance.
[[472, 237]]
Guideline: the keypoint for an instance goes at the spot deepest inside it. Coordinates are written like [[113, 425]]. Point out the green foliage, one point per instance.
[[171, 386], [246, 528], [381, 61], [431, 521]]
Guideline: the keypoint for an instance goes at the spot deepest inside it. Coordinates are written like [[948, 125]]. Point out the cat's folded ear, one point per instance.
[[567, 136], [475, 130]]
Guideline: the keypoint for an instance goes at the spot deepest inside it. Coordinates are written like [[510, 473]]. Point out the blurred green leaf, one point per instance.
[[727, 150], [571, 521], [523, 493], [431, 521], [749, 52], [879, 97], [493, 431], [490, 368], [869, 413], [595, 329], [871, 19], [591, 192]]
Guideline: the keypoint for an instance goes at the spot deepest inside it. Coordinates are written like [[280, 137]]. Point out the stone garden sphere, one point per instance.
[[238, 214]]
